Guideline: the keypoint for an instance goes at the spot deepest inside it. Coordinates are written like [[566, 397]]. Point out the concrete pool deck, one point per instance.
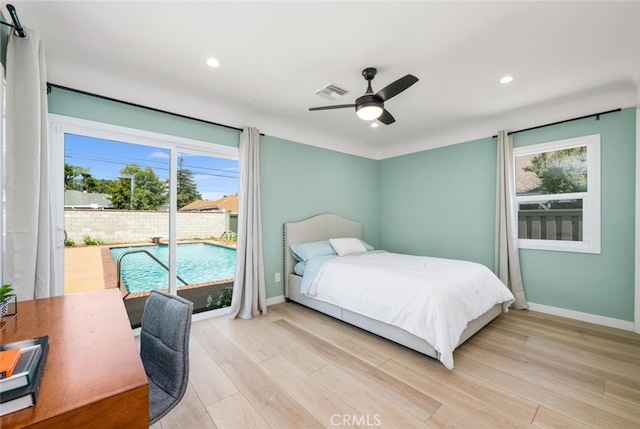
[[86, 268], [83, 270]]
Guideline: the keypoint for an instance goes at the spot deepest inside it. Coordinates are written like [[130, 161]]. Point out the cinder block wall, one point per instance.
[[127, 226]]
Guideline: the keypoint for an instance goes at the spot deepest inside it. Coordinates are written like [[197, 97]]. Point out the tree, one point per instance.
[[120, 194], [187, 189], [80, 179], [149, 191], [70, 174], [561, 171], [102, 186]]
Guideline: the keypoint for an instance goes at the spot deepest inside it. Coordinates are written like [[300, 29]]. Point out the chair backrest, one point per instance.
[[164, 342]]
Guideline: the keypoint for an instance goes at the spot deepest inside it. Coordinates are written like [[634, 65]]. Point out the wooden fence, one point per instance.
[[550, 224]]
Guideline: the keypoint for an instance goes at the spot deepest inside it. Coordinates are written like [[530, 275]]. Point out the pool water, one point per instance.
[[196, 263]]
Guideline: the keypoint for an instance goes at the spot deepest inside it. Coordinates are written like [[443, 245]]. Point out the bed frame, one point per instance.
[[325, 226]]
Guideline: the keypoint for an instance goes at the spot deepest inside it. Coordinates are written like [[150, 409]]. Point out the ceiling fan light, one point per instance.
[[369, 111]]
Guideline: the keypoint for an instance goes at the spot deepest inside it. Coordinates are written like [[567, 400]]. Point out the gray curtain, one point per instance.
[[507, 255], [30, 253], [249, 296]]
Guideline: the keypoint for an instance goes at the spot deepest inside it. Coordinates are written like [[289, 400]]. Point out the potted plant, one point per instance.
[[6, 293]]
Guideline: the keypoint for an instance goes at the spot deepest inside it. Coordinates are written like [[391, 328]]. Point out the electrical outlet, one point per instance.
[[277, 277]]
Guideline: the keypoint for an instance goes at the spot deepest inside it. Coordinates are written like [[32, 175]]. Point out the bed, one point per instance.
[[325, 227]]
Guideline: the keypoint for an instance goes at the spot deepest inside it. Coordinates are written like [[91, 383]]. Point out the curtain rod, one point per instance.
[[16, 22], [597, 115], [65, 88]]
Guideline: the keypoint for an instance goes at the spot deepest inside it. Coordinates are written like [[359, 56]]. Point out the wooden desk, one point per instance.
[[93, 376]]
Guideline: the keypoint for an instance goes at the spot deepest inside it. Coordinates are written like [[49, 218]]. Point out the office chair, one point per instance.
[[164, 350]]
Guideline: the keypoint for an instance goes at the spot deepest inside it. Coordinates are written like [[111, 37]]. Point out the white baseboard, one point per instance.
[[584, 317], [275, 300]]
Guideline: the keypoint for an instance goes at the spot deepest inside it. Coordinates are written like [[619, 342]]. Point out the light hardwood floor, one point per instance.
[[296, 368]]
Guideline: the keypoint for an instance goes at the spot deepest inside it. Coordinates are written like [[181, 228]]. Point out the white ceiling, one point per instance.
[[569, 59]]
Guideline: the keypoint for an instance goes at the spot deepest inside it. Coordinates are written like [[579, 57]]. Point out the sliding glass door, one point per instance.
[[143, 211]]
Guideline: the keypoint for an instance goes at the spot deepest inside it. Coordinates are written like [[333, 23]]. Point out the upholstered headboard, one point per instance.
[[316, 228]]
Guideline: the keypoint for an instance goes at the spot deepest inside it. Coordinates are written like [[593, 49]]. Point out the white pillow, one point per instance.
[[347, 246]]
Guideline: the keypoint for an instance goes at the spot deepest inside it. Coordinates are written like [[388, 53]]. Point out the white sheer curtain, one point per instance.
[[249, 295], [507, 255], [30, 253]]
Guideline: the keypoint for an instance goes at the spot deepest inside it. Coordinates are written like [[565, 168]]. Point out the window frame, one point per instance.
[[591, 223]]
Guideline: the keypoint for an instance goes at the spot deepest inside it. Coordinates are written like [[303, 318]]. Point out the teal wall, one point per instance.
[[83, 106], [441, 202], [297, 181], [598, 284], [300, 181]]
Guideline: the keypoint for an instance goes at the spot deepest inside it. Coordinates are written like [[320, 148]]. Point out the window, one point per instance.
[[557, 188]]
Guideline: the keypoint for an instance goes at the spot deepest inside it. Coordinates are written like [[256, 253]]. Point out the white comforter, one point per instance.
[[431, 298]]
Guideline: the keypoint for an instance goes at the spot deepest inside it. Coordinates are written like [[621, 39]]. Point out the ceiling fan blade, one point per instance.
[[396, 87], [337, 106], [386, 117]]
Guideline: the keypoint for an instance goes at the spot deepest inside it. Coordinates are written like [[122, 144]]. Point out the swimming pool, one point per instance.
[[196, 263]]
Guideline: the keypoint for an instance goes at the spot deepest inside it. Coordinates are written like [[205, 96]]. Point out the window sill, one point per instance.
[[560, 246]]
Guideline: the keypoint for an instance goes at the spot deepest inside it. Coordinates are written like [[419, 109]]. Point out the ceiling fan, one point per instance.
[[371, 105]]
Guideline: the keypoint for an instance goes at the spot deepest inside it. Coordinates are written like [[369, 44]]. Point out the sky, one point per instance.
[[214, 177]]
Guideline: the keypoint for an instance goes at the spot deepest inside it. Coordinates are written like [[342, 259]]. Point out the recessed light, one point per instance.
[[375, 125], [506, 79], [213, 62]]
